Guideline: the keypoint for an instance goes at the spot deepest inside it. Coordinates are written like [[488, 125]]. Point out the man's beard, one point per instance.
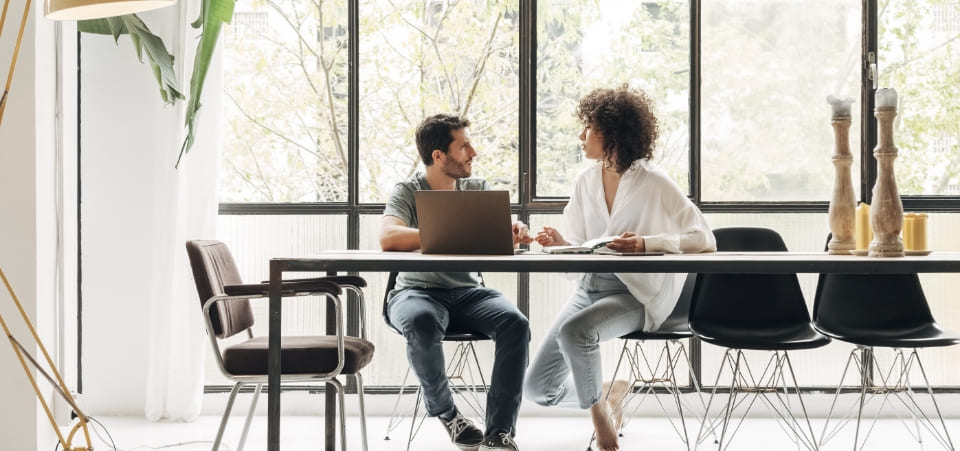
[[456, 169]]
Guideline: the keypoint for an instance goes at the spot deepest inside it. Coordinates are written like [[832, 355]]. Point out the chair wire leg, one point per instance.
[[744, 378], [698, 387], [946, 432], [676, 393], [470, 353], [813, 438], [663, 373], [864, 381], [413, 419], [786, 421], [730, 400], [713, 393], [825, 436], [363, 412], [226, 416], [246, 423], [459, 362], [395, 418]]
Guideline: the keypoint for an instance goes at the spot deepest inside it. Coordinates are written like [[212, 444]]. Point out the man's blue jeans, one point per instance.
[[423, 316]]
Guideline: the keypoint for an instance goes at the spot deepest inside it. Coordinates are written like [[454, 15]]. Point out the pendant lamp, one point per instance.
[[94, 9]]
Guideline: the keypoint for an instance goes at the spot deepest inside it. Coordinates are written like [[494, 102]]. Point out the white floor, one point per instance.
[[534, 434]]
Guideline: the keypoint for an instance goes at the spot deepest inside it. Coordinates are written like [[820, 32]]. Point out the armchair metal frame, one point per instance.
[[329, 377], [215, 272]]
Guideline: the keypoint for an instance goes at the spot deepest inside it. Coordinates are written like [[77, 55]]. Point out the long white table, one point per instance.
[[719, 262]]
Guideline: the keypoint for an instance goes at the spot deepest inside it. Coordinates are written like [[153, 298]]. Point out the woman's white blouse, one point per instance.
[[649, 204]]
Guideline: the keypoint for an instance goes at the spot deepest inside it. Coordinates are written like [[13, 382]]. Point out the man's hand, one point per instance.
[[521, 234], [550, 237], [628, 242]]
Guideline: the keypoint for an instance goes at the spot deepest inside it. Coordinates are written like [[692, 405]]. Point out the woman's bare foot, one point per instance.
[[603, 425], [615, 400]]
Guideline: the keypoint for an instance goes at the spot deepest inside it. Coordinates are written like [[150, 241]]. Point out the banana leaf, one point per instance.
[[213, 14], [161, 61]]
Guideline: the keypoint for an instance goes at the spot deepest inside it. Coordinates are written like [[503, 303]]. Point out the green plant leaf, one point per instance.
[[213, 14], [144, 42]]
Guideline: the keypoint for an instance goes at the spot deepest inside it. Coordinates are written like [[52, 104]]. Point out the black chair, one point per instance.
[[649, 371], [462, 366], [755, 312], [881, 311], [225, 302]]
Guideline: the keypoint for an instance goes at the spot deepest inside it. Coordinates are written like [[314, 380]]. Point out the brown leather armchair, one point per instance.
[[225, 302]]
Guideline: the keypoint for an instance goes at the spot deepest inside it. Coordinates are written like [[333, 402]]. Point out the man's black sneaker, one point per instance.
[[499, 442], [463, 433]]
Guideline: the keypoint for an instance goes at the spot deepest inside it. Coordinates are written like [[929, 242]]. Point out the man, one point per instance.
[[424, 304]]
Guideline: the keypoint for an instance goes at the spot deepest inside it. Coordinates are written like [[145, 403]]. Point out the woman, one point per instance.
[[624, 194]]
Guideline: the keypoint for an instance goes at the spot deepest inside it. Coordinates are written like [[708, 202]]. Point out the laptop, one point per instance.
[[464, 222]]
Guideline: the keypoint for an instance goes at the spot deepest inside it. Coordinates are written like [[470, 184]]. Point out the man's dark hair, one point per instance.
[[624, 117], [435, 132]]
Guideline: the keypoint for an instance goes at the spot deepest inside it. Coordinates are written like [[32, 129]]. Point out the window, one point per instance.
[[285, 103], [768, 67], [313, 156], [919, 56], [419, 58], [585, 44]]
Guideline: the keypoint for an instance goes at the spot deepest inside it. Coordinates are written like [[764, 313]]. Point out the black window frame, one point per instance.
[[530, 204]]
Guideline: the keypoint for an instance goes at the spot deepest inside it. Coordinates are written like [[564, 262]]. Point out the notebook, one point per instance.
[[464, 222], [594, 246]]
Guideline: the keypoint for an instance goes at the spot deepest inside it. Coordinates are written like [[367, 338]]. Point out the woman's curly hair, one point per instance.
[[624, 117]]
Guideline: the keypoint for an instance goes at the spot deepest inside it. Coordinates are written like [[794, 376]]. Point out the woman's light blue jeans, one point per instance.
[[566, 369]]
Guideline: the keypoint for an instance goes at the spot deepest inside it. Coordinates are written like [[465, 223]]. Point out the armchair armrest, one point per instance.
[[245, 292], [356, 281], [352, 283], [287, 287]]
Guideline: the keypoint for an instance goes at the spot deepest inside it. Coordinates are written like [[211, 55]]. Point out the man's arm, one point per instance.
[[396, 236]]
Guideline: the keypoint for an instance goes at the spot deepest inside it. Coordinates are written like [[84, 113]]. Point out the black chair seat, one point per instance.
[[677, 325], [928, 336], [803, 336], [464, 336], [299, 355], [658, 335]]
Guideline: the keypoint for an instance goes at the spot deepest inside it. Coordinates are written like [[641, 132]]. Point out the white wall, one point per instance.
[[28, 221], [126, 131]]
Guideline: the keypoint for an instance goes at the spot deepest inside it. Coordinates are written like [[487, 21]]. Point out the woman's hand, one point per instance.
[[521, 234], [550, 237], [628, 242]]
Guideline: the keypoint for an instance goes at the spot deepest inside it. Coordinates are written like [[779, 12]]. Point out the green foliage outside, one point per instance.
[[919, 56], [767, 69]]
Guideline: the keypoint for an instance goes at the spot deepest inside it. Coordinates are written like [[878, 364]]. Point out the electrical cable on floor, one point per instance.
[[113, 445]]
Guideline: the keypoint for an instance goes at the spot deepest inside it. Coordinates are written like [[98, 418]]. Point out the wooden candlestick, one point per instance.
[[886, 213], [843, 205]]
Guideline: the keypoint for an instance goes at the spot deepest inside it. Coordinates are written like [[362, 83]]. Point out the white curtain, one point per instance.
[[185, 207]]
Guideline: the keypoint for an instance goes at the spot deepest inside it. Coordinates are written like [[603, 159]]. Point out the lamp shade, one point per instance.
[[95, 9]]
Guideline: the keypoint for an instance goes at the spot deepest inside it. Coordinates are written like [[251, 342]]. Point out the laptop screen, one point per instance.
[[464, 222]]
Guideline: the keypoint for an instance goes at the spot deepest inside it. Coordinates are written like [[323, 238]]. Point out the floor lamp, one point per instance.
[[57, 10]]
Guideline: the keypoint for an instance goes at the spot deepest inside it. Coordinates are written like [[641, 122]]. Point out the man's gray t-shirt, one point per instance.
[[402, 204]]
